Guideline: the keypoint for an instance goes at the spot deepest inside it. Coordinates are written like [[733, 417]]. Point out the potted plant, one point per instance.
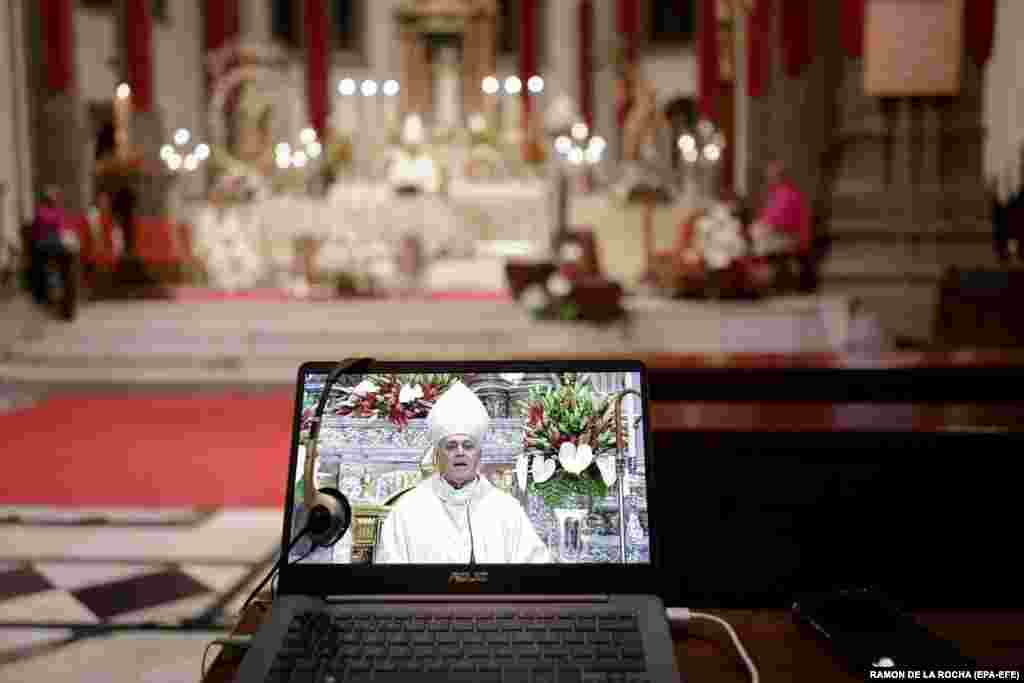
[[569, 456], [568, 442]]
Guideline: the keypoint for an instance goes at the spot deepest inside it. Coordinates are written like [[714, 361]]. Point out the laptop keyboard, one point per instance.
[[499, 646]]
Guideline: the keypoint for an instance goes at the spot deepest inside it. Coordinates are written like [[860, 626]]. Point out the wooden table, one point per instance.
[[782, 650]]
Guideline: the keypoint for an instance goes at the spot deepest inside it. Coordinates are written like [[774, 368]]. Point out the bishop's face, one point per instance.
[[460, 458]]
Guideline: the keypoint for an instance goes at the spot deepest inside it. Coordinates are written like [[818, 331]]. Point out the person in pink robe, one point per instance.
[[784, 224]]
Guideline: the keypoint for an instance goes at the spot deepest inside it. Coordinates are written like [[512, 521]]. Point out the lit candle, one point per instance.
[[122, 118], [370, 125], [511, 108], [412, 130], [490, 86], [389, 89], [345, 117]]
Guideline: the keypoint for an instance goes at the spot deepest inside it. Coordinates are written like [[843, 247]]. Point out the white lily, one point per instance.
[[522, 470], [606, 464], [409, 393], [559, 286], [365, 387], [533, 297], [543, 468], [575, 459]]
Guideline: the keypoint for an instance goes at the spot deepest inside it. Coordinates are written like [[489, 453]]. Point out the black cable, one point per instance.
[[472, 549], [281, 561], [362, 364]]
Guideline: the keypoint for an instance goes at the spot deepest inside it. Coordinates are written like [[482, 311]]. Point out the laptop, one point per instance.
[[542, 573]]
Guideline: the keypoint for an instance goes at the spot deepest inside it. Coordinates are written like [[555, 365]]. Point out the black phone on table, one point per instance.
[[868, 631]]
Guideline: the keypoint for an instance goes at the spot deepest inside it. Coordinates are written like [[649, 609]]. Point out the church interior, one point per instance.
[[806, 219]]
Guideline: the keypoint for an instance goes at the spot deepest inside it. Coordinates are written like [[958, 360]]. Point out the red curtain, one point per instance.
[[586, 61], [628, 25], [979, 29], [759, 47], [222, 22], [852, 27], [58, 36], [316, 64], [527, 51], [138, 28], [796, 36], [708, 66]]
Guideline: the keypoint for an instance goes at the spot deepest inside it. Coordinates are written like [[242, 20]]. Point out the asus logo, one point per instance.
[[463, 578]]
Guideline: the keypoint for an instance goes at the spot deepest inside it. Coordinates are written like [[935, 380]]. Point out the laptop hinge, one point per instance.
[[479, 597]]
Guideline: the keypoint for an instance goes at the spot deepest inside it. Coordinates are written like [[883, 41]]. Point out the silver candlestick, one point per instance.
[[620, 469]]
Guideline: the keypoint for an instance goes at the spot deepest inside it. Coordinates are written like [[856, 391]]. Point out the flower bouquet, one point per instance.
[[720, 238], [569, 443], [592, 299], [387, 397]]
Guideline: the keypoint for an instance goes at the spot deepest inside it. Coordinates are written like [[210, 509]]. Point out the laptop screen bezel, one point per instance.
[[567, 579]]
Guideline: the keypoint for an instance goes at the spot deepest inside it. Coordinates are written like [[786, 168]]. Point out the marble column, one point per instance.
[[407, 50], [897, 182], [58, 121], [17, 206], [470, 67], [255, 21], [424, 80], [416, 86], [147, 126], [488, 61]]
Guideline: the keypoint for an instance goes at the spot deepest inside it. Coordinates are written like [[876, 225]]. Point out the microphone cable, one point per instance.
[[317, 520], [472, 548], [281, 561]]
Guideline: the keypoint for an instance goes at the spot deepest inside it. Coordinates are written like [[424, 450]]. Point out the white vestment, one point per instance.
[[431, 524]]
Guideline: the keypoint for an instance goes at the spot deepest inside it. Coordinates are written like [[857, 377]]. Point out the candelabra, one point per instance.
[[701, 154], [182, 156], [576, 155], [177, 156]]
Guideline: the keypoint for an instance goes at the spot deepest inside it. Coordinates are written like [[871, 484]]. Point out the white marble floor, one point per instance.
[[66, 575]]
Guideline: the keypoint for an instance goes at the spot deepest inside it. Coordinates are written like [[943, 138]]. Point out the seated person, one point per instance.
[[50, 239], [457, 516], [784, 224]]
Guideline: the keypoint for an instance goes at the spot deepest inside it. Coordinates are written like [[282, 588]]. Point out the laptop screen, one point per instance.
[[479, 467]]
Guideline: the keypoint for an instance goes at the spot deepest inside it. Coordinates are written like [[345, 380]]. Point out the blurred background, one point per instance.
[[198, 196]]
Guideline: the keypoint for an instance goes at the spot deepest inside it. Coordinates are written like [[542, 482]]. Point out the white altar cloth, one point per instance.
[[360, 223]]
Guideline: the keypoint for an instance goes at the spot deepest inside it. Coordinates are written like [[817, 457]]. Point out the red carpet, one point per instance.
[[180, 450]]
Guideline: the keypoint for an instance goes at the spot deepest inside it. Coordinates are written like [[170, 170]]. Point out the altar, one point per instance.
[[359, 226]]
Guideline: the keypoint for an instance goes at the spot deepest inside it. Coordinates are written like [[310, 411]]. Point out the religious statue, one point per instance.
[[644, 121], [252, 129], [644, 173]]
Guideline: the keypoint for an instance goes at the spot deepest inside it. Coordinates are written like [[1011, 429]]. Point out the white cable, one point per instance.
[[684, 615]]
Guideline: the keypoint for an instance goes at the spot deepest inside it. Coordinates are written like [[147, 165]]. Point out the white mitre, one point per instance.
[[457, 411]]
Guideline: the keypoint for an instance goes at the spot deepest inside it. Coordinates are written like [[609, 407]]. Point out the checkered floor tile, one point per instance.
[[59, 576]]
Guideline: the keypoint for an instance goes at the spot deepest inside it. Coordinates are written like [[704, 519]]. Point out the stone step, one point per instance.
[[904, 310], [970, 231], [158, 343], [901, 261], [900, 205]]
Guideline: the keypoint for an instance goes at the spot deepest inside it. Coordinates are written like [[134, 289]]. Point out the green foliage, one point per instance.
[[568, 310], [563, 484], [569, 411]]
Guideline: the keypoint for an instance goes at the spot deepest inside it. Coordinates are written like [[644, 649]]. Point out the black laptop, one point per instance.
[[545, 465]]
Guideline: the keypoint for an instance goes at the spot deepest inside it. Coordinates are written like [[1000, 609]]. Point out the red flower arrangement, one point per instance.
[[397, 398]]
